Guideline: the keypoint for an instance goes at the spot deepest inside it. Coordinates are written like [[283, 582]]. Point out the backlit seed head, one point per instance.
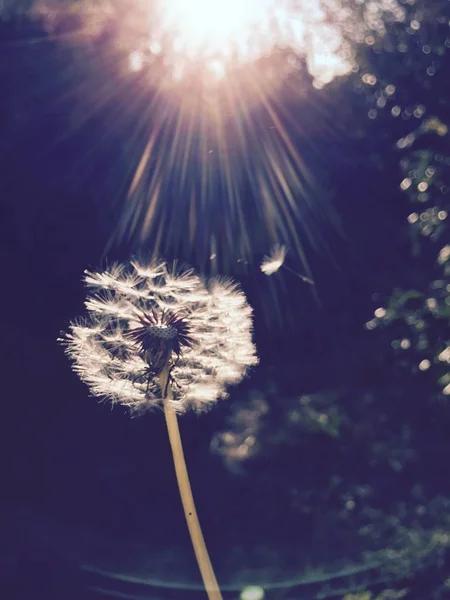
[[145, 318]]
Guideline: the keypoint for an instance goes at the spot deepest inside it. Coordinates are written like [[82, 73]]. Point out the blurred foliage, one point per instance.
[[411, 91], [378, 449]]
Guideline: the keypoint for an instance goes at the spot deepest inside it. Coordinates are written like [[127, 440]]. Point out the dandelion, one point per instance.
[[144, 319], [273, 262], [157, 337]]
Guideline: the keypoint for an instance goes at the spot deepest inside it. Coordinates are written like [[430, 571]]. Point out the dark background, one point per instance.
[[346, 486]]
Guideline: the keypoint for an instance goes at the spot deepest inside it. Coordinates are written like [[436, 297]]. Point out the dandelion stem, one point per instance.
[[201, 552]]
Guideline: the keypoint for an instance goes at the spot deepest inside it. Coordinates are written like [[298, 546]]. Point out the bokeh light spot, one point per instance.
[[405, 344], [369, 78], [405, 184], [390, 89], [252, 592], [136, 61]]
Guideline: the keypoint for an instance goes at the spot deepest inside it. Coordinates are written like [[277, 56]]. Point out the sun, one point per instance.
[[211, 28], [212, 36], [222, 35]]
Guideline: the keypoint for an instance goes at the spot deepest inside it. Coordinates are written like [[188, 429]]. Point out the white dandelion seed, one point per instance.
[[273, 262], [155, 337]]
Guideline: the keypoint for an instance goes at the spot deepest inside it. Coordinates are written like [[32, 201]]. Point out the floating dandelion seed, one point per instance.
[[275, 260], [153, 337]]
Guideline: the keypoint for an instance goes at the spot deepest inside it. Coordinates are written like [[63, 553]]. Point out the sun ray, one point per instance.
[[219, 173]]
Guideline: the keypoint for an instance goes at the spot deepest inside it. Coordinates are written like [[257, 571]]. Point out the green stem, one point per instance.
[[198, 541]]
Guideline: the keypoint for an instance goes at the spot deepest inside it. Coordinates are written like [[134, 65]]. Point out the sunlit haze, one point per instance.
[[220, 35]]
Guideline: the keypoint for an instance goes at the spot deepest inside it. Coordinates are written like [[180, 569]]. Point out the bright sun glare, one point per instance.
[[211, 26], [220, 35]]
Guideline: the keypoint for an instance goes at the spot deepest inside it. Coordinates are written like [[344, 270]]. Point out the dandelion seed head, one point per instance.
[[274, 261], [144, 318]]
